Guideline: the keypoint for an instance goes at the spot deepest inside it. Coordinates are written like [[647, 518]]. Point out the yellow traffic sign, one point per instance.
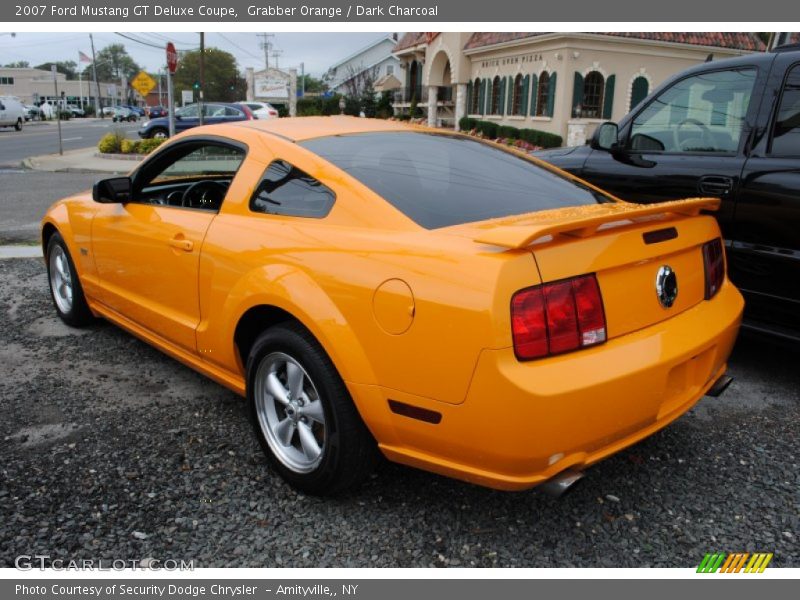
[[143, 83]]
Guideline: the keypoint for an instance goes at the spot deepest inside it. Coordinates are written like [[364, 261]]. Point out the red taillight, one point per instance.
[[557, 317], [714, 263], [273, 113]]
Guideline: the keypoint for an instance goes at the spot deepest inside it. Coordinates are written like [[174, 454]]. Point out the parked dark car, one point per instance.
[[729, 129], [189, 116], [154, 112]]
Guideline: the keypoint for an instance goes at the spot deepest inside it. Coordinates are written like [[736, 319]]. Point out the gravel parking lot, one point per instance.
[[111, 450]]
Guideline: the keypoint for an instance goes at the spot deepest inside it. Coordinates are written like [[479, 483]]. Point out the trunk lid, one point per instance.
[[625, 245]]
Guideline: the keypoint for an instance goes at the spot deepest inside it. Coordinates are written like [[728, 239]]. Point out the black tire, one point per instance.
[[349, 452], [18, 125], [154, 133], [78, 314]]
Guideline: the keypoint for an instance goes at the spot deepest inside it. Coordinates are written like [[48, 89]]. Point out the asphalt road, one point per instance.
[[42, 138], [111, 450], [25, 196]]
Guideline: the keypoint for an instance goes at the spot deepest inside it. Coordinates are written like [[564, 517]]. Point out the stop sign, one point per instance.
[[172, 58]]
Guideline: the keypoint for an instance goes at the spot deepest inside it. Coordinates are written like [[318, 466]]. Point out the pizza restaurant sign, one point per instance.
[[512, 60]]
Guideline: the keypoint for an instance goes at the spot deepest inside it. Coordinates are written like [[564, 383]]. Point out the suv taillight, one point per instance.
[[557, 317], [714, 263]]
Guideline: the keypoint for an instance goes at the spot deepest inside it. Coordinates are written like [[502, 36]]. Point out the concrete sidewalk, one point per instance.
[[84, 160]]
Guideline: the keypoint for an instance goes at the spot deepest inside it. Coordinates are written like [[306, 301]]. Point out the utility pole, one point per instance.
[[276, 54], [97, 107], [58, 109], [302, 79], [202, 72], [266, 46]]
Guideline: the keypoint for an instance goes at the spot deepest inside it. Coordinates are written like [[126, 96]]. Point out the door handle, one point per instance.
[[716, 185], [182, 244]]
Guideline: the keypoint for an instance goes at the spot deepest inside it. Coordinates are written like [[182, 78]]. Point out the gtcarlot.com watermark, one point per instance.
[[27, 562]]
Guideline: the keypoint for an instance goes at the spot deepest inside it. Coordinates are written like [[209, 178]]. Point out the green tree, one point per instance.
[[67, 67], [114, 63], [20, 64], [312, 84], [223, 82]]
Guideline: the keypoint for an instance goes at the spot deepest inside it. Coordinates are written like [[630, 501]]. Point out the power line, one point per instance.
[[237, 46]]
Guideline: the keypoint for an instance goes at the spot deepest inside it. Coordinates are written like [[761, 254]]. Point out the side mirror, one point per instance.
[[606, 137], [113, 190]]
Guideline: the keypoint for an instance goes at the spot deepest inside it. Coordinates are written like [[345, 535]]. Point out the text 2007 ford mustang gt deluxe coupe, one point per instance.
[[368, 286]]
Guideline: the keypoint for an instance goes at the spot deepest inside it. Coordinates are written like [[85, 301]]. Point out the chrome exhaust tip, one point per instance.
[[559, 485], [720, 385]]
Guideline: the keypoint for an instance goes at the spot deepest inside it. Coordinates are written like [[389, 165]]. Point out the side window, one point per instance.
[[204, 162], [786, 130], [191, 175], [190, 111], [286, 190], [702, 113]]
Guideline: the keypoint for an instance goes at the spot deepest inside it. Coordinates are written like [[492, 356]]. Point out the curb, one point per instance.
[[20, 252]]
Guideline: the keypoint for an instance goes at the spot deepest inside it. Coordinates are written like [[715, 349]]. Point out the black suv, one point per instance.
[[729, 129]]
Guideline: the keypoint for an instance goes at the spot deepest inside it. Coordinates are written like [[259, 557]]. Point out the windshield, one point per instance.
[[441, 180]]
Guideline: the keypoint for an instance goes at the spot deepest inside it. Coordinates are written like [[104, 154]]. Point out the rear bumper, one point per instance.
[[522, 423]]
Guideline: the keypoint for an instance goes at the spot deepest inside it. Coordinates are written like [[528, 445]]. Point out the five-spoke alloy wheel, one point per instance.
[[65, 287], [303, 414]]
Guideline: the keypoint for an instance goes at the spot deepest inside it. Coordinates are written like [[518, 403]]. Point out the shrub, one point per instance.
[[507, 131], [467, 124], [88, 110], [403, 117], [150, 144], [127, 146], [385, 109], [540, 138], [309, 107], [110, 143], [487, 128], [65, 115]]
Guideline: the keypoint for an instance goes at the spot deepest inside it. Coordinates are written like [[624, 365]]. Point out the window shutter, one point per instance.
[[510, 104], [482, 97], [608, 97], [469, 98], [577, 91], [551, 94], [534, 93], [639, 91], [523, 107], [502, 99]]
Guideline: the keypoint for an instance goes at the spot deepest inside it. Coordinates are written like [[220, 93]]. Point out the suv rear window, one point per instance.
[[439, 180]]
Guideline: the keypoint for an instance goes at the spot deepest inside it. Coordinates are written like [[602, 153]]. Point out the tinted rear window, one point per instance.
[[438, 180]]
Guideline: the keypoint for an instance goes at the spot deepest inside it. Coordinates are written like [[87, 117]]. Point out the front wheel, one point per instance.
[[159, 134], [18, 125], [65, 287], [303, 415]]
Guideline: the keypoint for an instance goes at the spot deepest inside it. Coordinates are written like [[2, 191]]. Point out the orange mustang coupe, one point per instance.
[[374, 288]]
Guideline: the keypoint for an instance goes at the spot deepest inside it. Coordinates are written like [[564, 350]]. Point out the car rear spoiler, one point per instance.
[[583, 221]]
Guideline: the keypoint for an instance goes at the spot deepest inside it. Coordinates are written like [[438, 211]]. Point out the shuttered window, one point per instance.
[[544, 91], [525, 93], [496, 100], [517, 94], [593, 92], [551, 95]]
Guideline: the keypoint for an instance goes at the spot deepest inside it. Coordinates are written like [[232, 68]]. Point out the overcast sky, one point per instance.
[[317, 50]]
